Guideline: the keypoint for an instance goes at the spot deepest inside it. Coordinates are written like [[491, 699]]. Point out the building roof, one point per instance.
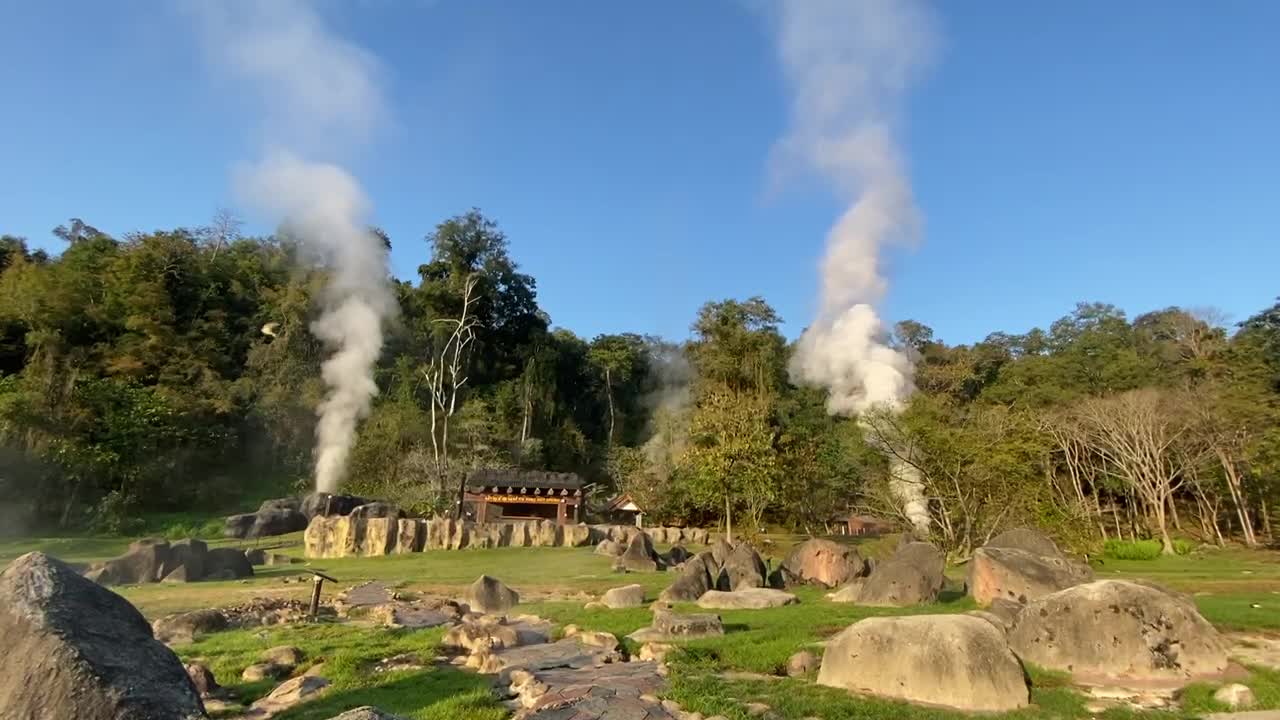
[[624, 502], [503, 478]]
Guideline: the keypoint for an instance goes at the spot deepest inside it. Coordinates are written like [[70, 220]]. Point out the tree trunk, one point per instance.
[[1237, 497], [1163, 525], [608, 393], [528, 410], [728, 519], [1266, 520]]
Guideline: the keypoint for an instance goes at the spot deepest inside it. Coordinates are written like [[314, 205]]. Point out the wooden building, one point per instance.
[[623, 510], [860, 525], [497, 495]]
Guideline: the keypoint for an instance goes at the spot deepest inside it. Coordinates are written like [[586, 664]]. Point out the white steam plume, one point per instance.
[[318, 91], [848, 63]]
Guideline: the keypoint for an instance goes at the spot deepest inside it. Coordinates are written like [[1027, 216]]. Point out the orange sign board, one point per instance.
[[537, 499]]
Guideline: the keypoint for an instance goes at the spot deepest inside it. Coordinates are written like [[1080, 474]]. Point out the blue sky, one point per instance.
[[1123, 152]]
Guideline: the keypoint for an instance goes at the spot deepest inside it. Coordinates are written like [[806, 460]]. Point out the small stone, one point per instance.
[[202, 678], [283, 655], [263, 671], [755, 709], [691, 716], [671, 706], [656, 652], [598, 639], [650, 698], [595, 605], [801, 664], [489, 595], [571, 630], [1235, 696]]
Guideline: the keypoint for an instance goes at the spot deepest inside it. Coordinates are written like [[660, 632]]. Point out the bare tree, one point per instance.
[[1142, 437], [446, 374], [224, 229], [1226, 432]]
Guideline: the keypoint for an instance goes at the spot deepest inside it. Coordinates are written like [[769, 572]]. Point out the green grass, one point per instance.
[[1143, 549], [348, 652]]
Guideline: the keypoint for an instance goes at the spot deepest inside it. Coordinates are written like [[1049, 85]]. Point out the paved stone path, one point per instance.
[[566, 653], [367, 594], [608, 692]]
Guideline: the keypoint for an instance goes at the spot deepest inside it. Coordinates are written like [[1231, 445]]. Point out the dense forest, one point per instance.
[[175, 369]]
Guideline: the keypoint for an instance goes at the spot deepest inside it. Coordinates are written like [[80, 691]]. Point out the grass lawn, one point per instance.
[[1235, 589]]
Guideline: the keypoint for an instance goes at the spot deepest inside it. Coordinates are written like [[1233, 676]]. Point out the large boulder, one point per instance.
[[238, 526], [284, 503], [1019, 575], [321, 503], [187, 556], [411, 536], [187, 626], [227, 564], [277, 521], [610, 548], [639, 555], [676, 556], [376, 510], [1119, 632], [545, 533], [954, 661], [823, 562], [274, 517], [697, 576], [746, 599], [1032, 541], [720, 550], [627, 596], [489, 595], [742, 568], [78, 650], [575, 535], [911, 576], [668, 625], [143, 562]]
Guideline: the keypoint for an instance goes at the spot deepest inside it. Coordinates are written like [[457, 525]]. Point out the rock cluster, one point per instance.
[[373, 529], [286, 515], [725, 568], [153, 560]]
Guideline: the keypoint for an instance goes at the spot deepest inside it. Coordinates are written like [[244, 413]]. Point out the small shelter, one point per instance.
[[861, 525], [497, 495], [624, 511]]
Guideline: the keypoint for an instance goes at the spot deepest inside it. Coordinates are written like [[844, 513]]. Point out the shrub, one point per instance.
[[1143, 549], [115, 514]]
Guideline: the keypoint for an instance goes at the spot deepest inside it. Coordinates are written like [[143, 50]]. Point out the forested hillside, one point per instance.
[[175, 369]]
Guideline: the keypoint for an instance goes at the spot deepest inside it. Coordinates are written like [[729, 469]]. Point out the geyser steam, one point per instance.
[[318, 91], [848, 63], [324, 207]]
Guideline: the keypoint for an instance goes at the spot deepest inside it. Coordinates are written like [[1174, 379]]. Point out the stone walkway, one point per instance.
[[618, 691], [566, 653]]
